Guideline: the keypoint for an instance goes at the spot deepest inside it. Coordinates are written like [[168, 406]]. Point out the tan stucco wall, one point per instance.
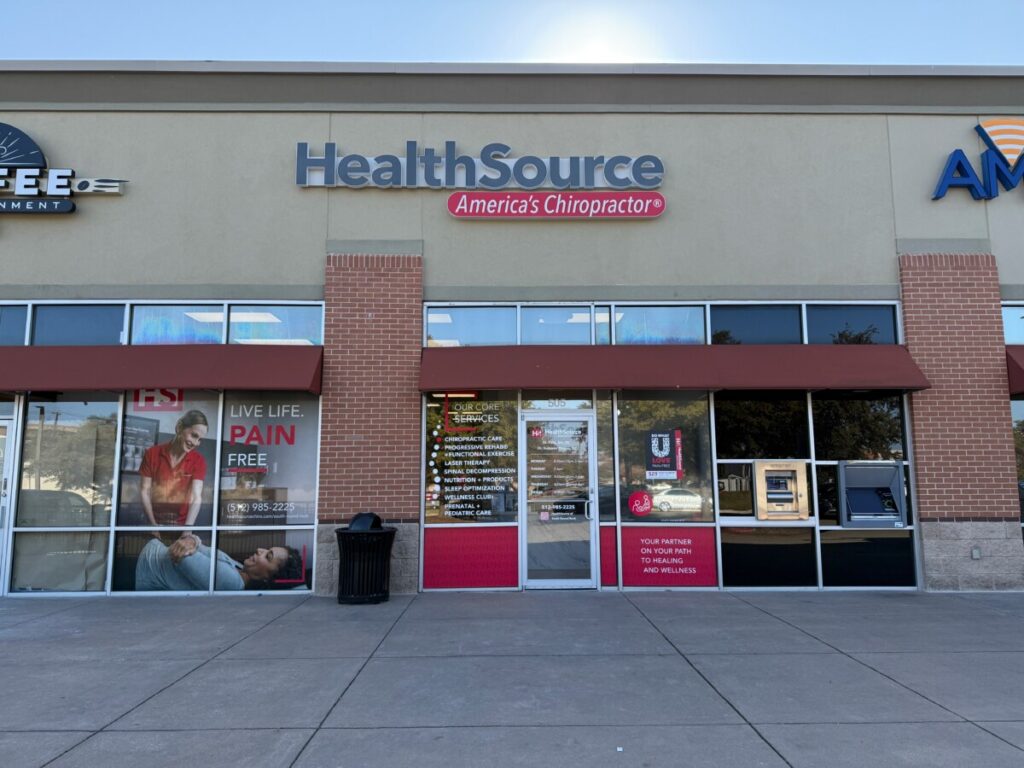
[[920, 148], [756, 203], [209, 201]]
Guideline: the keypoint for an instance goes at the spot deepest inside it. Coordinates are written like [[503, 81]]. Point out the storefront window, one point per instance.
[[828, 494], [67, 476], [659, 325], [602, 325], [268, 461], [735, 489], [182, 324], [755, 324], [168, 455], [605, 458], [77, 324], [472, 458], [768, 557], [67, 463], [851, 426], [1013, 325], [867, 558], [664, 457], [267, 324], [556, 325], [12, 325], [1017, 414], [66, 561], [761, 425], [471, 326], [851, 324], [175, 561], [270, 560]]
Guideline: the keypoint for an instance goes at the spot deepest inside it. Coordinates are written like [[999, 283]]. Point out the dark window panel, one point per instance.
[[12, 326], [851, 426], [756, 324], [77, 325], [761, 425], [828, 494], [851, 324], [768, 557], [867, 559]]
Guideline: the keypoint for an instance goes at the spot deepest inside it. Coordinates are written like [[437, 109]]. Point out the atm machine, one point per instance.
[[781, 490], [871, 494]]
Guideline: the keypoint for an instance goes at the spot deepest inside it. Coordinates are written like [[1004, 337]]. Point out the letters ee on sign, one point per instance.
[[27, 185], [496, 185]]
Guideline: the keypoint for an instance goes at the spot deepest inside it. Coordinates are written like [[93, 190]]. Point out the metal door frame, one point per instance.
[[8, 488], [590, 418]]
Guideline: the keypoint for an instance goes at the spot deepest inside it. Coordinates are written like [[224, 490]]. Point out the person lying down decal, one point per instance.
[[185, 566]]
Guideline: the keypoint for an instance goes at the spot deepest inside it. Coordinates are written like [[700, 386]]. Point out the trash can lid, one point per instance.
[[365, 521]]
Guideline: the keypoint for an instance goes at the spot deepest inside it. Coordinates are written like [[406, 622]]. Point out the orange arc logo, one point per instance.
[[1007, 135]]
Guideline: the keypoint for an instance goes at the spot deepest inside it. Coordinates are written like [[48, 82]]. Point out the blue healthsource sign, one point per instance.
[[28, 186], [1000, 163], [491, 168]]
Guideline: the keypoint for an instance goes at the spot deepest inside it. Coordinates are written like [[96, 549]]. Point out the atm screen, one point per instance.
[[871, 502], [779, 487]]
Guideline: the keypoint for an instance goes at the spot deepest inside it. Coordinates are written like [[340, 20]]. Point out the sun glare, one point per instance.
[[602, 38]]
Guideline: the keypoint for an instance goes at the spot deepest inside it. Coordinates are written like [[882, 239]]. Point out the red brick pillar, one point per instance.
[[967, 508], [370, 427]]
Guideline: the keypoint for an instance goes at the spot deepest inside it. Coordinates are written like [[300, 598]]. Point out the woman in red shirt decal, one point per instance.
[[172, 474]]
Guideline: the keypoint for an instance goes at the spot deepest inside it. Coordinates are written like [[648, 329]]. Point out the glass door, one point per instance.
[[6, 483], [559, 535]]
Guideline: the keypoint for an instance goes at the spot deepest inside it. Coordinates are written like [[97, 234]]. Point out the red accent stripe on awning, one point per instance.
[[1015, 368], [694, 367], [184, 366]]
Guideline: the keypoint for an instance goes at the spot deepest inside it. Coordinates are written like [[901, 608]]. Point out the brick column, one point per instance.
[[962, 432], [370, 429]]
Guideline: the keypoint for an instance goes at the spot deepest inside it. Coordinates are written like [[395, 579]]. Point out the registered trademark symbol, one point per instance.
[[658, 203]]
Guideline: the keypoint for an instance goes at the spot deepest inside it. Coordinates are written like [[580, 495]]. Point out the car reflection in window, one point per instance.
[[676, 500]]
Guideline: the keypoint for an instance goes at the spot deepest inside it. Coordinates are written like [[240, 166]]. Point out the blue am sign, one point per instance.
[[1001, 164]]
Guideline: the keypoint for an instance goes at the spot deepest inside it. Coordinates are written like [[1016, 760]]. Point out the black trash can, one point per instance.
[[364, 563]]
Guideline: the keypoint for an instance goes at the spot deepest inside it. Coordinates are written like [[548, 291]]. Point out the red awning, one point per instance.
[[184, 366], [1015, 368], [694, 367]]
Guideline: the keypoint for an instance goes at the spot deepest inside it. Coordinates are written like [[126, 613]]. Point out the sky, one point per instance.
[[919, 32]]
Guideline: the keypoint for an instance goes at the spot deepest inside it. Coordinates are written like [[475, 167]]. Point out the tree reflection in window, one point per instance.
[[851, 426], [640, 413], [761, 425]]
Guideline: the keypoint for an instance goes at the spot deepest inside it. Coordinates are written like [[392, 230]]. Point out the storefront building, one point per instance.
[[600, 327]]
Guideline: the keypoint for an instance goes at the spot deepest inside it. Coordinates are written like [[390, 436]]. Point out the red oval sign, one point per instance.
[[640, 503]]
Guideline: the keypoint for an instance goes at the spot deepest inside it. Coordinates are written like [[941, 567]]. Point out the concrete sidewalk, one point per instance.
[[534, 679]]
